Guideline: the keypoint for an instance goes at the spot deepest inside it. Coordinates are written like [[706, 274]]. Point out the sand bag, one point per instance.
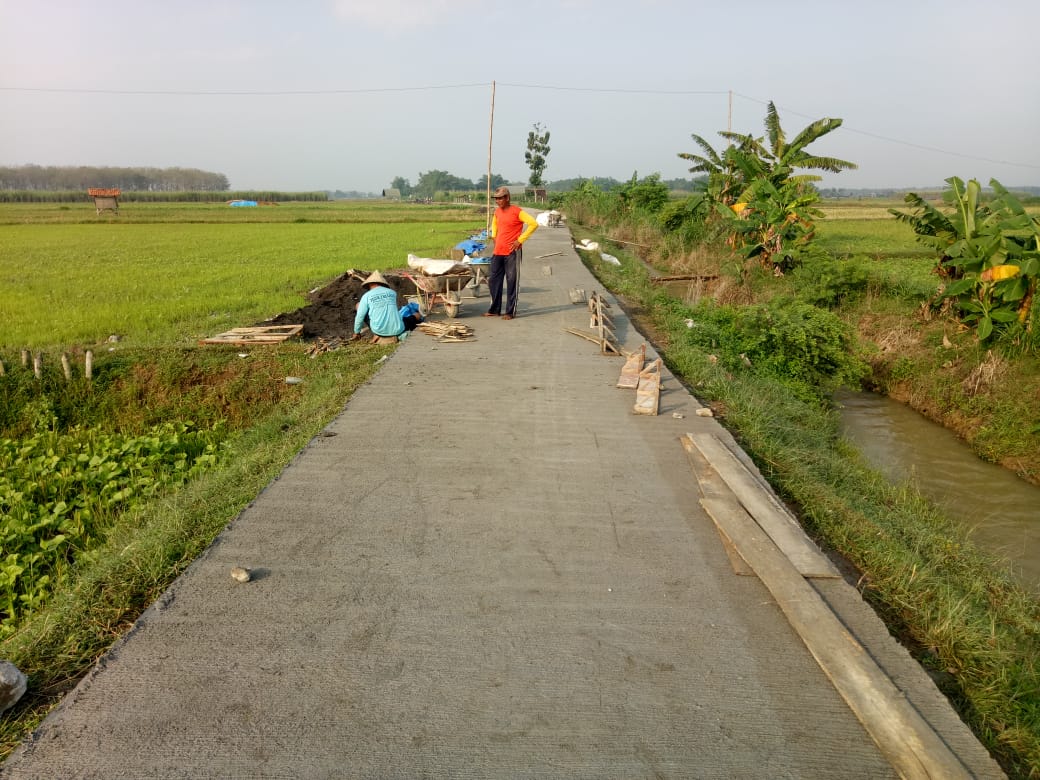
[[648, 393], [630, 371]]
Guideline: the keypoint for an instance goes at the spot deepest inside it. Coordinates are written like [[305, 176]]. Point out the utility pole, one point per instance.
[[491, 132]]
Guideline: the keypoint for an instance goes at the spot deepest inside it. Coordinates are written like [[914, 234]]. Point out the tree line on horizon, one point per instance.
[[431, 182], [53, 178]]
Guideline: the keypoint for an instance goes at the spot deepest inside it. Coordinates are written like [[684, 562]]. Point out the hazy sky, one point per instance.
[[347, 94]]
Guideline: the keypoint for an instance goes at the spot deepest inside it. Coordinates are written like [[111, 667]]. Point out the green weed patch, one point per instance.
[[59, 492]]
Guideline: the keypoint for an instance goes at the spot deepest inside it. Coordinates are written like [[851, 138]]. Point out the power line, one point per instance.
[[910, 144], [435, 87], [618, 90], [239, 93]]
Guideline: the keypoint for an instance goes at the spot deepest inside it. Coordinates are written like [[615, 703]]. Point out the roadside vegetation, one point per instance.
[[785, 304]]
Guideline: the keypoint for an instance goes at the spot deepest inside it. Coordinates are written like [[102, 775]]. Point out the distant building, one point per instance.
[[523, 192], [392, 193]]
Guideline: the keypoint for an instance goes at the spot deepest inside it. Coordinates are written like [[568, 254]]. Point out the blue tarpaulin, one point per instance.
[[242, 203], [475, 244]]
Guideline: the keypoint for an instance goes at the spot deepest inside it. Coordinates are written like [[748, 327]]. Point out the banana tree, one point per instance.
[[775, 213], [989, 253], [774, 222], [724, 175]]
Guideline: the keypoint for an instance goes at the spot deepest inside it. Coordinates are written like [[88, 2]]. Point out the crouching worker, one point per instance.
[[412, 316], [379, 305]]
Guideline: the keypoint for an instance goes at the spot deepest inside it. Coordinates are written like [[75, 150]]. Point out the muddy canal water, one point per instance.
[[1001, 509]]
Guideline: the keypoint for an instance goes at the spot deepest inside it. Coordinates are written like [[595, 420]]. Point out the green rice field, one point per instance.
[[171, 273]]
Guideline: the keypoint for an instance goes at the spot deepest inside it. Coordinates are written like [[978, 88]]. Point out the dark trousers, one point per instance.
[[504, 268]]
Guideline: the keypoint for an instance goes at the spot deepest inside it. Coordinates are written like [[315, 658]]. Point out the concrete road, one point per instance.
[[486, 567]]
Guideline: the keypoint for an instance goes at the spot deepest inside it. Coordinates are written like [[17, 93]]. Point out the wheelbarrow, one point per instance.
[[442, 290]]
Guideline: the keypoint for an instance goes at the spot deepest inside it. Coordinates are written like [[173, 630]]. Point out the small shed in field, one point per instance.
[[392, 193], [105, 199]]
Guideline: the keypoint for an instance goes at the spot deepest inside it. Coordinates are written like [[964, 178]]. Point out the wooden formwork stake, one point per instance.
[[25, 358], [38, 365], [66, 367], [1, 368], [88, 364]]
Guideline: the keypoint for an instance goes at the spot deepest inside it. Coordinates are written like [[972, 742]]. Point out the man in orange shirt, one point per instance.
[[511, 226]]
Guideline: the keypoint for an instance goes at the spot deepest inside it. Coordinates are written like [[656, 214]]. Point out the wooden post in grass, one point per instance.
[[1, 367], [38, 365], [88, 364], [25, 358], [66, 367]]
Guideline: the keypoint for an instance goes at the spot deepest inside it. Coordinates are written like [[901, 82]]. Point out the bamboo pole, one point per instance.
[[88, 364], [491, 132]]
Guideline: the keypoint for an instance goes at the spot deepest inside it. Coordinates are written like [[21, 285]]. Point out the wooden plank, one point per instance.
[[904, 737], [708, 479], [685, 278], [773, 518], [585, 336], [740, 567], [270, 334]]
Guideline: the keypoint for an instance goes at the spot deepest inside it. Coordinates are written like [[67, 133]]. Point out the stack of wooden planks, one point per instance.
[[447, 331]]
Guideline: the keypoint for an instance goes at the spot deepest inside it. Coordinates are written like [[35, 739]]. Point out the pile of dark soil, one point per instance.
[[331, 311]]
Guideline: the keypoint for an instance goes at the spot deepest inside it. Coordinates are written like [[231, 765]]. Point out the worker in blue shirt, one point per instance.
[[379, 305]]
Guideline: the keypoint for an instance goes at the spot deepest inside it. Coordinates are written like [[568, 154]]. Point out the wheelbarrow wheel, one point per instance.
[[451, 304]]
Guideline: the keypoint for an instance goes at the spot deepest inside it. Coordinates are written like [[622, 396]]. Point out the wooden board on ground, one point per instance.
[[767, 512], [905, 738], [712, 486], [271, 334]]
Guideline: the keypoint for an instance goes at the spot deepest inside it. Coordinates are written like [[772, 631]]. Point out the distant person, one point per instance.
[[379, 306], [511, 226]]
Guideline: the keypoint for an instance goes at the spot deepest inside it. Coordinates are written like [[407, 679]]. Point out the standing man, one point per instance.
[[379, 305], [511, 226]]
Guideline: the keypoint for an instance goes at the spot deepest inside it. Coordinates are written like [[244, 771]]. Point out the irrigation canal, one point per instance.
[[1001, 509]]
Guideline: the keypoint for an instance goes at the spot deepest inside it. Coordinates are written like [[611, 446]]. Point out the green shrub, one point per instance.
[[685, 218], [809, 348], [828, 282]]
